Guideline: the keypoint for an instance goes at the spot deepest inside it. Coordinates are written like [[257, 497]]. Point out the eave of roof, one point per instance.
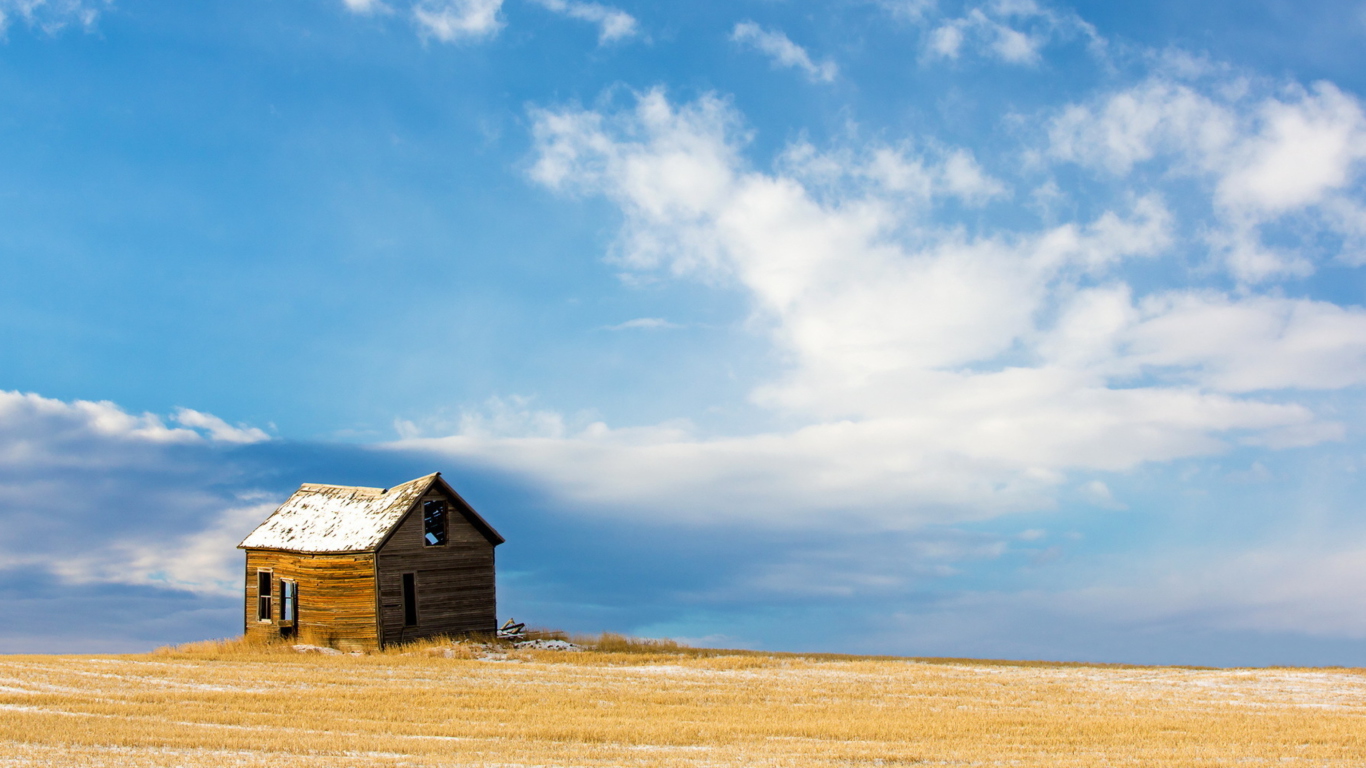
[[337, 519]]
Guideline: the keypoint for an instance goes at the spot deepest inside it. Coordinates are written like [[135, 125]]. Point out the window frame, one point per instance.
[[265, 603], [445, 520], [289, 600]]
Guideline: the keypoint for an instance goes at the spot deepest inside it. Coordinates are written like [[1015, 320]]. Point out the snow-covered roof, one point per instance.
[[337, 518]]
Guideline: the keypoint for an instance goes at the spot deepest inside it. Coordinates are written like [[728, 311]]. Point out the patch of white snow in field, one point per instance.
[[305, 648], [547, 645]]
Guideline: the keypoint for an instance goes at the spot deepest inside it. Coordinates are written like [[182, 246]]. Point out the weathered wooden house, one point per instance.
[[361, 568]]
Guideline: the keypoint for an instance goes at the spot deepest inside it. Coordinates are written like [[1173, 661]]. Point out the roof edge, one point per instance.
[[268, 517], [432, 478], [308, 552], [495, 538], [425, 485]]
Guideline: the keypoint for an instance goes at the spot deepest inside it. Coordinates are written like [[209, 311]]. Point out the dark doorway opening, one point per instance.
[[410, 600]]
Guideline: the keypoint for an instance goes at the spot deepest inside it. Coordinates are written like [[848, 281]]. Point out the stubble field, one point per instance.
[[646, 707]]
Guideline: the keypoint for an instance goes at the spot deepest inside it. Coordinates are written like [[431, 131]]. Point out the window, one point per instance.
[[289, 600], [434, 523], [263, 595], [410, 600]]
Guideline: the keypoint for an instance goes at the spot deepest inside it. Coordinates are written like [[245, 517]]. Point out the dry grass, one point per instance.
[[648, 703]]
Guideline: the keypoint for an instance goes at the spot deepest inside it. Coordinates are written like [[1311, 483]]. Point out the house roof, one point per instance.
[[344, 518]]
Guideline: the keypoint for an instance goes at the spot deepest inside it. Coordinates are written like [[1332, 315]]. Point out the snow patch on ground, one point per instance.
[[305, 648], [547, 645]]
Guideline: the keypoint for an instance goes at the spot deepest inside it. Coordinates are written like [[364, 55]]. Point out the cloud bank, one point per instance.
[[940, 375], [94, 494]]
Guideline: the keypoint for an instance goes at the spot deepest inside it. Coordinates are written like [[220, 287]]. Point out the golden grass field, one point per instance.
[[635, 705]]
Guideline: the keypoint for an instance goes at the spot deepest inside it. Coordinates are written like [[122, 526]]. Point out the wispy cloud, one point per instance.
[[454, 21], [642, 323], [1012, 31], [912, 10], [458, 20], [614, 24], [51, 16], [365, 6], [782, 51], [447, 21], [219, 430], [921, 177]]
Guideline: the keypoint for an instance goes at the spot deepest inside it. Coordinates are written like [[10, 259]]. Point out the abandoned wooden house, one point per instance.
[[361, 568]]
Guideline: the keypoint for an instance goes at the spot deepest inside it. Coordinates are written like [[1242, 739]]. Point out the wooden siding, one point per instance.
[[455, 581], [336, 597]]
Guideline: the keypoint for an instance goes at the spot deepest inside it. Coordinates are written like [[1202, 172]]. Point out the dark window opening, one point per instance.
[[410, 600], [434, 522], [263, 595]]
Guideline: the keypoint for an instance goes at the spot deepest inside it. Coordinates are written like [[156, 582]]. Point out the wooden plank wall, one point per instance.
[[455, 582], [336, 597]]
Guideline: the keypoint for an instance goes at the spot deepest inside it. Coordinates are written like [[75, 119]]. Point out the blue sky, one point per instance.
[[1006, 329]]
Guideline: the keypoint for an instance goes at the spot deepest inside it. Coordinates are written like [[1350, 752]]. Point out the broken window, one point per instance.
[[434, 522], [289, 600], [410, 600], [263, 595]]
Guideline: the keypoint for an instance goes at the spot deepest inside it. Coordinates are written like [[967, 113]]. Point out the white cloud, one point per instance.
[[33, 423], [1013, 31], [964, 178], [219, 430], [1007, 44], [458, 20], [1135, 124], [614, 24], [935, 375], [782, 51], [643, 323], [510, 417], [92, 493], [1303, 150], [51, 16], [918, 178], [947, 41], [1098, 493], [365, 6], [452, 21], [1251, 344], [1299, 152], [979, 448], [205, 561]]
